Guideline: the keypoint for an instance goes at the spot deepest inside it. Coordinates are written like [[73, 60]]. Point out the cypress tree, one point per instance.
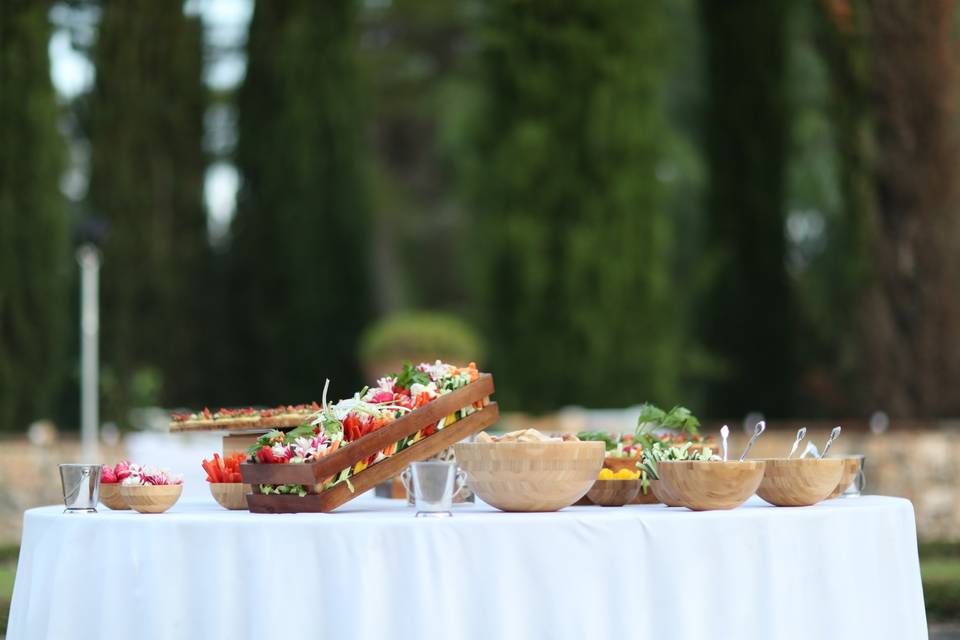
[[147, 170], [747, 315], [571, 236], [299, 252], [34, 258]]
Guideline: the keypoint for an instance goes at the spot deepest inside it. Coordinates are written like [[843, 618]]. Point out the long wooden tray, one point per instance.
[[371, 444], [239, 426], [328, 500]]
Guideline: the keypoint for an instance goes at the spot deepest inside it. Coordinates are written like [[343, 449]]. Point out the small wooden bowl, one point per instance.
[[659, 489], [111, 498], [703, 486], [150, 498], [230, 495], [851, 466], [630, 464], [613, 493], [616, 464], [799, 482], [645, 498], [530, 476]]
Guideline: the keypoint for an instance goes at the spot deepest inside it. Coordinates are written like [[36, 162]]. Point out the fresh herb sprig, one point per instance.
[[411, 376], [652, 418], [599, 436]]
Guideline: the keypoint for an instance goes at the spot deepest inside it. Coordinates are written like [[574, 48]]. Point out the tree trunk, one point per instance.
[[910, 310], [915, 336]]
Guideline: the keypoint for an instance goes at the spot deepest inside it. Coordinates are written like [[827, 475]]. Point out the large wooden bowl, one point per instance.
[[111, 498], [230, 495], [150, 498], [613, 493], [703, 486], [530, 476], [659, 489], [799, 482], [851, 466]]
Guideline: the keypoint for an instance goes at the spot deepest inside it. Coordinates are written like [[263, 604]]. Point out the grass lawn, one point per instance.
[[7, 570], [6, 582], [940, 568]]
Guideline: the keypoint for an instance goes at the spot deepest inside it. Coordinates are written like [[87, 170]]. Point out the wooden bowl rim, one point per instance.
[[548, 443], [147, 488], [798, 462], [747, 464]]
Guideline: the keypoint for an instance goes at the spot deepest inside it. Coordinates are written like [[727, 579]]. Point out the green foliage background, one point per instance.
[[144, 120], [573, 273], [299, 284], [669, 200], [34, 258], [747, 317]]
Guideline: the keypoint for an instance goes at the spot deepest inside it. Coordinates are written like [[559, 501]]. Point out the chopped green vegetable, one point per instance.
[[598, 436]]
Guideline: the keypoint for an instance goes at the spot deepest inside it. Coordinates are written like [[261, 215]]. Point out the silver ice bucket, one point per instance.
[[81, 487]]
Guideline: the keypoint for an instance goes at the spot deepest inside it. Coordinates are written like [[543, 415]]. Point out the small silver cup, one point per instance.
[[433, 485], [859, 481], [81, 487]]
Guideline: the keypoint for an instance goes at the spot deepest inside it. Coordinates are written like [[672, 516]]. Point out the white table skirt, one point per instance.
[[841, 569]]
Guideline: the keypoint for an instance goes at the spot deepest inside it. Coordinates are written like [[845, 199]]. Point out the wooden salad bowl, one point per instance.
[[799, 482], [659, 489], [646, 498], [111, 498], [630, 464], [530, 476], [851, 466], [613, 493], [616, 464], [150, 498], [703, 486], [230, 495]]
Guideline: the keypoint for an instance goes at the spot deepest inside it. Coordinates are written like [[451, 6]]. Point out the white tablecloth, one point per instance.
[[842, 569]]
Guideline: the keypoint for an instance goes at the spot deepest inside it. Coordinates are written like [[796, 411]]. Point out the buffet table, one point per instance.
[[841, 569]]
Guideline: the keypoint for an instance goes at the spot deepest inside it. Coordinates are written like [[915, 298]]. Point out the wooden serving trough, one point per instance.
[[347, 456]]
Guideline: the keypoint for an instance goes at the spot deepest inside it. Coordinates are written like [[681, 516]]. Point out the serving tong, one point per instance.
[[796, 443], [833, 436], [757, 430]]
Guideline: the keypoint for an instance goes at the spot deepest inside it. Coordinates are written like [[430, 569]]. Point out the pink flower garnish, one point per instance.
[[107, 475], [122, 470], [381, 395]]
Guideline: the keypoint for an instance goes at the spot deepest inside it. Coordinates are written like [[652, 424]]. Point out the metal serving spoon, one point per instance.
[[796, 443], [724, 433], [756, 434], [833, 436]]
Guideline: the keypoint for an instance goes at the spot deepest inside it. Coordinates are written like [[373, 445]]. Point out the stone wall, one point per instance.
[[922, 465], [29, 478]]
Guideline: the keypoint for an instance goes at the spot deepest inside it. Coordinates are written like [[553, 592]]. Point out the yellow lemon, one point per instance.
[[605, 474]]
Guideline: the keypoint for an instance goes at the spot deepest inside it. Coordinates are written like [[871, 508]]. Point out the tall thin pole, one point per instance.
[[89, 259]]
